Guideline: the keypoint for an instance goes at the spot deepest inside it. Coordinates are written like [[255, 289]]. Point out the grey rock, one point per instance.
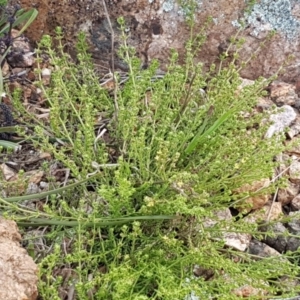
[[281, 120], [284, 237], [279, 239], [260, 249], [294, 225]]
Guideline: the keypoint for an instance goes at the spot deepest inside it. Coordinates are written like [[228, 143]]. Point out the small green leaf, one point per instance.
[[9, 145], [200, 136], [45, 194]]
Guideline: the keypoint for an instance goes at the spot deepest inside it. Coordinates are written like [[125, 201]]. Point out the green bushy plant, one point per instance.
[[175, 146]]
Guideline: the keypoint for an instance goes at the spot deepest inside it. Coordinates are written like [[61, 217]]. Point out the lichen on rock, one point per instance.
[[274, 15]]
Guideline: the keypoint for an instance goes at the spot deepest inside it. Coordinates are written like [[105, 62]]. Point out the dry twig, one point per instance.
[[112, 60]]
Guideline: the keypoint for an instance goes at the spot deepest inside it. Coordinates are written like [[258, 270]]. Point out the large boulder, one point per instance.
[[156, 26]]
